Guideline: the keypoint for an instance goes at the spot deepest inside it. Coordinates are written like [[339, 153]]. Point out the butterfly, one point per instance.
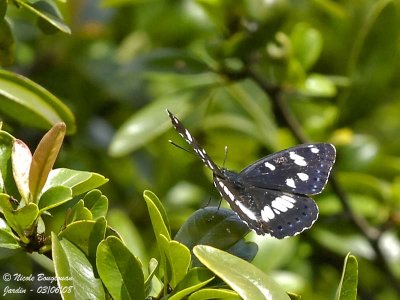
[[270, 195]]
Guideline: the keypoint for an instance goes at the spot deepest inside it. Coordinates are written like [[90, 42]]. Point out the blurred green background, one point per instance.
[[230, 70]]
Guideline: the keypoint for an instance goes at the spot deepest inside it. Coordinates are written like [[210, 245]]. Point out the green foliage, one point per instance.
[[256, 76]]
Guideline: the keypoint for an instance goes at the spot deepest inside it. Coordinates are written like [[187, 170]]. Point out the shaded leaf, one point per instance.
[[220, 228], [208, 293], [6, 145], [347, 289], [119, 270], [43, 12], [194, 280], [7, 42], [71, 264], [248, 281], [145, 125], [30, 104], [85, 235], [97, 203], [7, 238], [44, 158], [78, 213]]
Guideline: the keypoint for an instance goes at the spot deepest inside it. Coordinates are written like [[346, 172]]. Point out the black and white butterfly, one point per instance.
[[270, 194]]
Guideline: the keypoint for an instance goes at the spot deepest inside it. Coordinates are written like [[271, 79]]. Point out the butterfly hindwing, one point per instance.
[[277, 213], [303, 169]]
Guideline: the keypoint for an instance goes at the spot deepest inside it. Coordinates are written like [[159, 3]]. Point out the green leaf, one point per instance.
[[248, 281], [205, 294], [54, 196], [178, 260], [132, 236], [22, 219], [21, 162], [43, 11], [96, 203], [44, 158], [145, 125], [347, 289], [7, 238], [220, 228], [317, 85], [158, 215], [194, 280], [78, 213], [153, 285], [3, 9], [7, 42], [307, 44], [79, 280], [31, 104], [86, 235], [119, 270], [79, 181], [6, 145]]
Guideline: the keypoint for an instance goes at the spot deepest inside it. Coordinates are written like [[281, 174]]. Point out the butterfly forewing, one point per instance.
[[270, 194], [277, 213], [200, 152], [303, 169]]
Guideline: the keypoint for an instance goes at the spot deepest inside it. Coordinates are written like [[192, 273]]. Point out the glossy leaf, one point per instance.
[[145, 125], [86, 235], [78, 213], [21, 163], [347, 289], [79, 278], [97, 203], [44, 13], [178, 259], [119, 270], [22, 219], [158, 215], [79, 181], [30, 104], [54, 197], [208, 293], [248, 281], [7, 238], [194, 280], [6, 145], [44, 158], [220, 228]]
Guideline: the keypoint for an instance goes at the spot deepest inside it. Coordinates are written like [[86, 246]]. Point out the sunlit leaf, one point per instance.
[[119, 270], [79, 280], [347, 289], [248, 281]]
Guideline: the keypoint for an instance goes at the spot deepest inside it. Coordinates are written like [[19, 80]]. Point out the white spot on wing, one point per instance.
[[290, 183], [188, 136], [246, 211], [314, 150], [267, 214], [229, 194], [269, 166], [303, 176], [298, 160], [283, 203]]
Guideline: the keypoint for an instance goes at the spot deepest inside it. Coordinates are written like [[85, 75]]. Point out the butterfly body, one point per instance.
[[270, 195]]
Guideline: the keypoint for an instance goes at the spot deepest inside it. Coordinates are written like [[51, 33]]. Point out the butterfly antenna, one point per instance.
[[226, 155]]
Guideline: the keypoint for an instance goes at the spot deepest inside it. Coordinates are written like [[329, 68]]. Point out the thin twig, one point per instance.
[[371, 234]]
